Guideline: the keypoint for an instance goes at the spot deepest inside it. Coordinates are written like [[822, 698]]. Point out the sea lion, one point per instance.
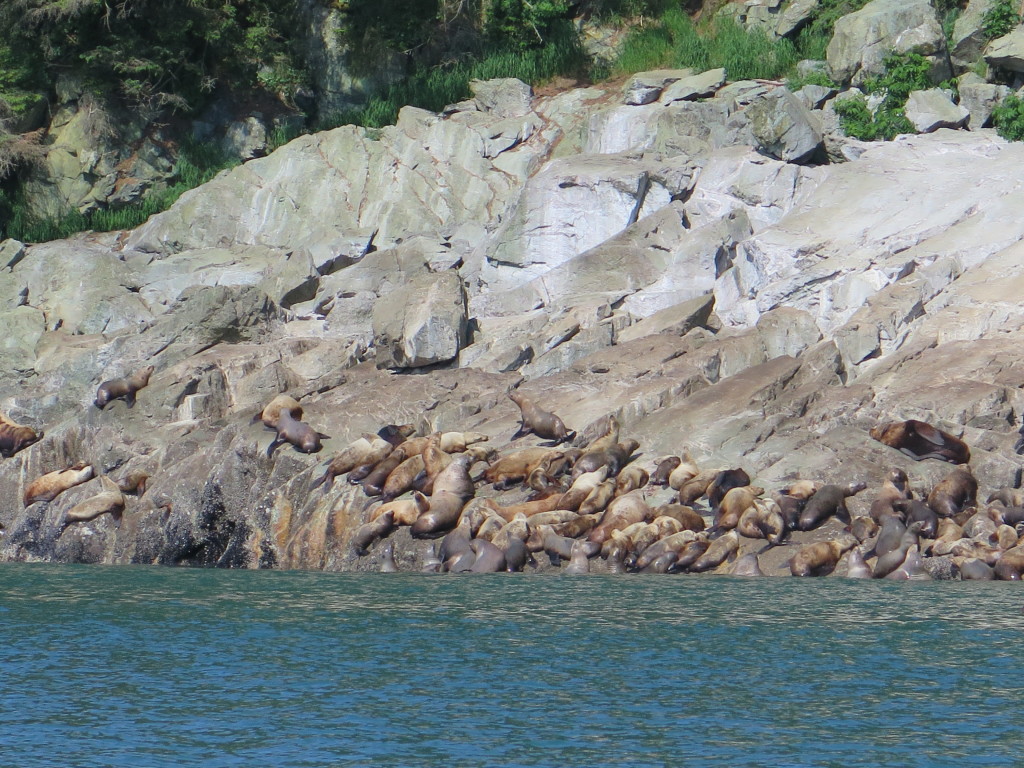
[[368, 533], [582, 487], [890, 561], [440, 517], [820, 558], [724, 482], [516, 555], [856, 568], [15, 437], [733, 504], [720, 550], [863, 527], [911, 568], [660, 564], [664, 467], [272, 411], [614, 457], [689, 554], [387, 558], [373, 483], [457, 442], [747, 566], [579, 526], [827, 501], [686, 516], [489, 558], [579, 562], [298, 433], [515, 467], [762, 520], [363, 451], [697, 486], [110, 499], [894, 488], [889, 535], [914, 510], [396, 434], [954, 493], [685, 470], [599, 498], [134, 482], [127, 387], [973, 569], [920, 440], [528, 508], [672, 543], [535, 419], [623, 511], [608, 437], [456, 540], [403, 511], [1009, 497], [455, 478], [630, 479], [49, 486]]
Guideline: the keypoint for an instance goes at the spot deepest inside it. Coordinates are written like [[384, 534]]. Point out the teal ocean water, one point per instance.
[[140, 666]]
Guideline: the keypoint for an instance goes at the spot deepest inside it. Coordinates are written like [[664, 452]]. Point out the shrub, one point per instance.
[[1000, 19], [1008, 118], [904, 72]]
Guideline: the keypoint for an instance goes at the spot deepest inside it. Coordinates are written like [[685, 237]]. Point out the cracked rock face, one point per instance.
[[644, 260]]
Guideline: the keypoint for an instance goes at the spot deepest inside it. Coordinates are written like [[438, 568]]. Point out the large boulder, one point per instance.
[[968, 41], [1007, 52], [933, 109], [785, 128], [864, 38], [647, 87], [421, 323], [980, 98]]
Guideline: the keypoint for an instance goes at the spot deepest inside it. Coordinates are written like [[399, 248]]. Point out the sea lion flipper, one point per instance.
[[929, 433], [322, 436], [273, 446], [130, 399], [523, 431]]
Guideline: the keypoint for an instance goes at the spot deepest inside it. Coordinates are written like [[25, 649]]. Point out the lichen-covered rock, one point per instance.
[[785, 128], [694, 87], [647, 87]]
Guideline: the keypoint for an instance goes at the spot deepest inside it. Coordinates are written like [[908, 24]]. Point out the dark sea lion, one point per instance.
[[516, 555], [538, 421], [396, 434], [387, 558], [747, 566], [893, 559], [724, 482], [15, 437], [689, 554], [863, 527], [894, 488], [461, 562], [660, 564], [911, 569], [126, 388], [302, 436], [954, 493], [1012, 515], [456, 540], [889, 535], [373, 483], [820, 558], [720, 550], [109, 500], [920, 440], [489, 558], [1009, 497], [664, 469], [579, 562], [915, 510], [49, 486], [443, 514], [368, 533], [827, 501]]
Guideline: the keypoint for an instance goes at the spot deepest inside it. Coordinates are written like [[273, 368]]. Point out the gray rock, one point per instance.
[[785, 128], [794, 17], [421, 323], [980, 99], [1007, 51], [968, 40], [933, 109], [246, 138], [647, 87], [694, 87], [864, 38], [507, 97]]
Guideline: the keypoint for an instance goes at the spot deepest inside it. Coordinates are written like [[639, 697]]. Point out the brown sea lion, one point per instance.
[[733, 504], [664, 467], [915, 509], [820, 558], [49, 486], [863, 527], [272, 410], [134, 482], [369, 532], [15, 437], [762, 520], [443, 514], [720, 550], [396, 434], [672, 543], [894, 488], [687, 516], [363, 451], [827, 501], [623, 511], [954, 493], [110, 499], [403, 511], [630, 479], [126, 388], [1009, 497], [920, 440], [599, 498], [724, 482], [697, 486], [538, 421], [615, 458], [515, 467], [298, 433], [373, 483]]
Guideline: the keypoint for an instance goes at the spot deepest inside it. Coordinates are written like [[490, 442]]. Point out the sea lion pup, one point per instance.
[[367, 448], [663, 470], [747, 566], [272, 410], [673, 543], [1008, 497], [302, 436], [890, 561], [734, 503], [579, 562], [894, 488], [396, 434], [723, 548], [920, 440], [856, 568], [953, 493], [827, 501], [623, 511], [630, 479], [368, 533], [914, 510], [489, 558], [134, 483], [514, 467], [683, 472], [15, 437], [49, 486], [535, 419], [693, 489], [403, 511], [763, 520], [110, 499], [724, 482], [686, 516], [820, 559], [387, 558], [126, 388]]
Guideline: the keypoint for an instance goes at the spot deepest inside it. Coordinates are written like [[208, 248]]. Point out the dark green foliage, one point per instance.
[[1008, 118], [904, 72], [816, 77], [1000, 19]]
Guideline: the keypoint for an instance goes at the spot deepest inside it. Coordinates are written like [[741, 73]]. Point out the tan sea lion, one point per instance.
[[455, 478], [608, 437], [687, 516], [515, 466], [672, 543], [820, 558], [302, 436], [630, 479], [15, 437], [528, 508], [457, 442], [623, 511], [762, 520], [403, 511], [720, 550], [734, 503], [579, 526], [272, 410], [599, 498], [920, 440], [403, 477], [538, 421], [127, 387], [615, 458], [697, 486], [364, 450], [134, 482], [684, 471], [954, 493], [110, 499], [689, 554], [49, 486]]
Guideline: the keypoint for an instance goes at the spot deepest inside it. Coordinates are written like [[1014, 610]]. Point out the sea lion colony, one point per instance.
[[588, 503]]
